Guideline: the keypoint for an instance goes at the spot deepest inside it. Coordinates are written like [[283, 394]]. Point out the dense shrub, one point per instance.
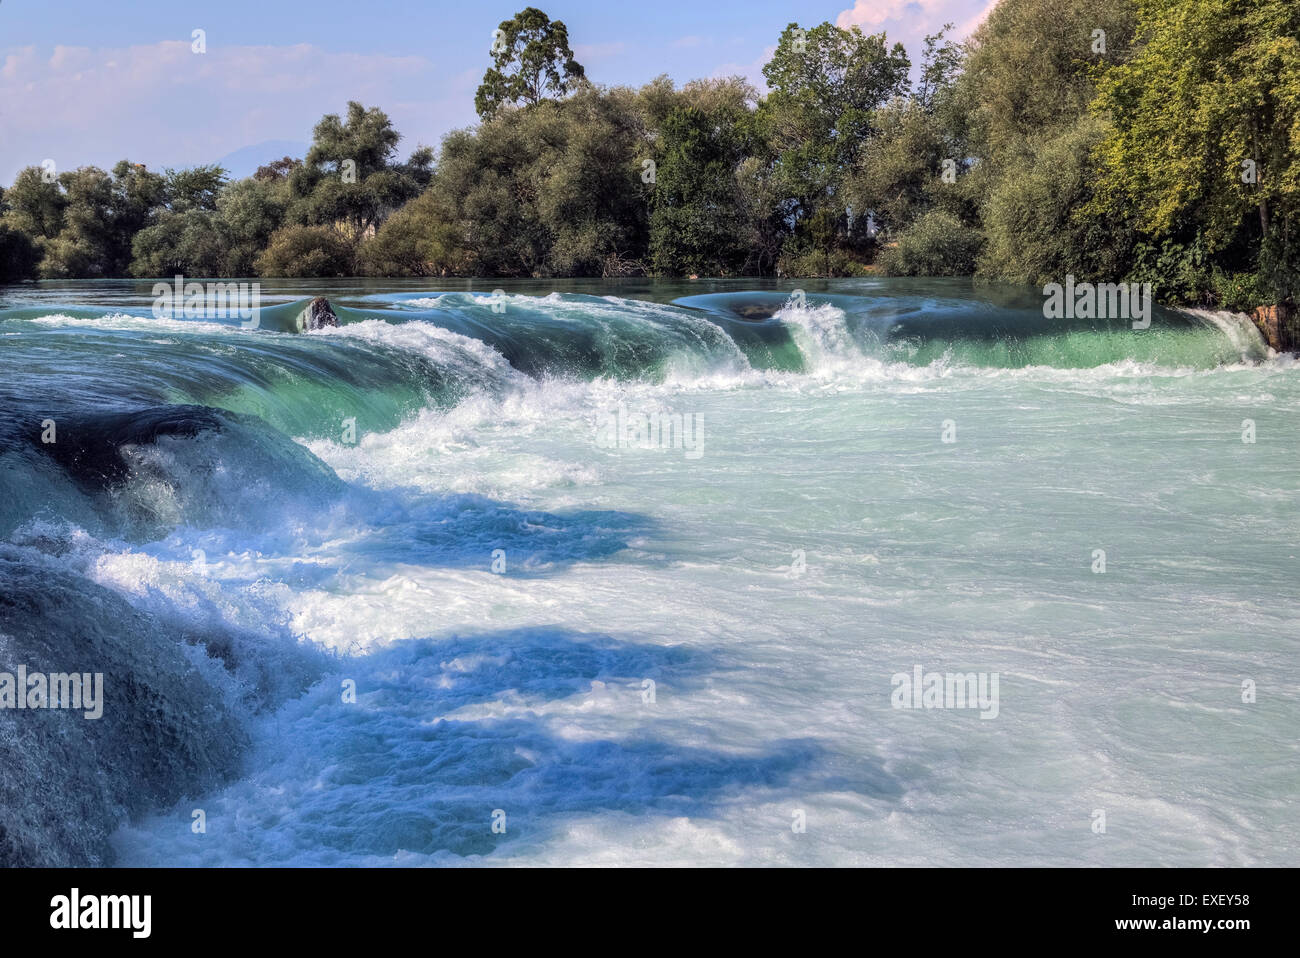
[[18, 256], [937, 244], [306, 251]]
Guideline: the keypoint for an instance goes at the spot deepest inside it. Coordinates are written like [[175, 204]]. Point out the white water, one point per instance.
[[523, 691]]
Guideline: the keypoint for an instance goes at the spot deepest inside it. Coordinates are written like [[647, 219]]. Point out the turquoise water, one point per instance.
[[647, 655]]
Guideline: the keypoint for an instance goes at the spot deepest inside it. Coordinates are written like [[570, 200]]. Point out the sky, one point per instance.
[[87, 82]]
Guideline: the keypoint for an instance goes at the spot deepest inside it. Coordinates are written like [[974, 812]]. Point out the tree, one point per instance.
[[194, 188], [186, 242], [591, 200], [248, 212], [1042, 224], [19, 256], [423, 238], [552, 189], [1032, 68], [277, 169], [531, 61], [903, 171], [694, 224], [941, 65], [350, 179], [1025, 92], [898, 174], [35, 204], [86, 246], [138, 197], [306, 251], [827, 84], [1205, 132], [936, 244]]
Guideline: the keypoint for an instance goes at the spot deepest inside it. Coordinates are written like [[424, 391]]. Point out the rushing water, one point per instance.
[[632, 655]]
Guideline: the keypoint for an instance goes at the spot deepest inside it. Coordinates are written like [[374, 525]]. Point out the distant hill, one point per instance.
[[245, 161]]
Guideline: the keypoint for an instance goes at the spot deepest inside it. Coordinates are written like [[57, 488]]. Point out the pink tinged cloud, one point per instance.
[[910, 21]]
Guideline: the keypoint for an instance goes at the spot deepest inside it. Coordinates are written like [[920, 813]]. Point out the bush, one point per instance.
[[813, 262], [306, 251], [18, 256], [937, 244], [185, 242], [1044, 219], [420, 239], [1179, 272], [1240, 292]]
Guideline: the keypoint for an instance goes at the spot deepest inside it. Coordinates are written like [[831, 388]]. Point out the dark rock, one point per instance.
[[318, 313], [1278, 324]]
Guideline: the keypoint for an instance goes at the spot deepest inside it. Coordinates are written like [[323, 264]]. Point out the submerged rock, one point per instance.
[[318, 313]]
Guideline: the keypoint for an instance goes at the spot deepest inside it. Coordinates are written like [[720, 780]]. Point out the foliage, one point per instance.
[[1101, 138], [18, 255], [1205, 129], [531, 59], [937, 244], [306, 251]]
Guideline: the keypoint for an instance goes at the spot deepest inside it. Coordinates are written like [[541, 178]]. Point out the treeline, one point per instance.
[[1116, 140]]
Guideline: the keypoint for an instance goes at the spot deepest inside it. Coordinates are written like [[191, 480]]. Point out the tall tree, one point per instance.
[[826, 85], [1029, 77], [531, 61], [351, 179], [35, 204], [1205, 135], [694, 226]]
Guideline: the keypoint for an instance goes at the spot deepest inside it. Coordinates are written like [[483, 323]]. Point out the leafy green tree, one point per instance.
[[942, 62], [138, 197], [531, 61], [1042, 223], [553, 189], [826, 85], [306, 251], [35, 206], [1024, 95], [591, 200], [937, 244], [186, 242], [827, 81], [350, 179], [1204, 140], [695, 223], [277, 169], [194, 188], [1033, 65], [898, 175], [19, 255], [248, 212], [86, 245], [423, 238], [919, 158]]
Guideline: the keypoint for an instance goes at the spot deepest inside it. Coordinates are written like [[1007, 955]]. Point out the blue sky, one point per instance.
[[91, 82]]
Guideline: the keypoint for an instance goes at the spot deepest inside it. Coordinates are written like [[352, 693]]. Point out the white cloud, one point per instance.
[[164, 105], [909, 21]]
